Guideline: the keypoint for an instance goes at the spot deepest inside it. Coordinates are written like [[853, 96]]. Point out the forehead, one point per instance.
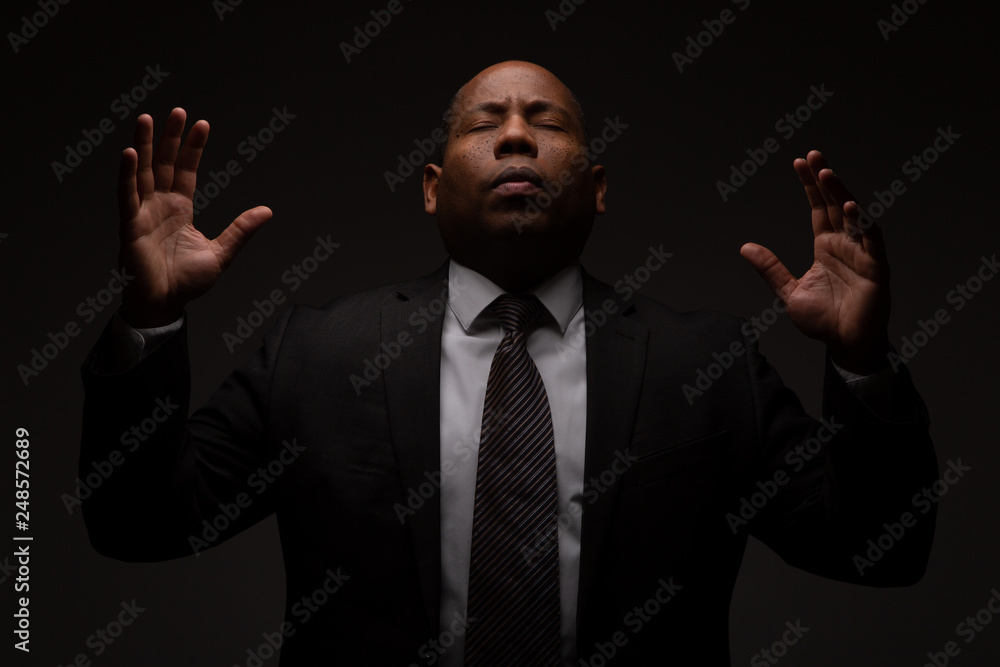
[[512, 86]]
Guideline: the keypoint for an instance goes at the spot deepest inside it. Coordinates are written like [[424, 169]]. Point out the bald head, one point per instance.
[[509, 71], [514, 192]]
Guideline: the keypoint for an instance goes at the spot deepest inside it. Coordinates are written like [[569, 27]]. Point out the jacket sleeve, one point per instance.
[[846, 488], [165, 485]]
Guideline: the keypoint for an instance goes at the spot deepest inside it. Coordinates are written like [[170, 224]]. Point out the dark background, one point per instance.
[[323, 175]]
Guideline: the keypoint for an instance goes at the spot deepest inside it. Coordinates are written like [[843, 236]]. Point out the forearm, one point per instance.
[[134, 430], [843, 478], [173, 476], [877, 465]]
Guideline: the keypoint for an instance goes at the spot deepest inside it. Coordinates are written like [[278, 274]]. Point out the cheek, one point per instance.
[[562, 158], [460, 177], [570, 173], [471, 160]]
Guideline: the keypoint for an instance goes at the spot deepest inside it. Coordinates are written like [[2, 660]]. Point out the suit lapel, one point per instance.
[[616, 356], [412, 387]]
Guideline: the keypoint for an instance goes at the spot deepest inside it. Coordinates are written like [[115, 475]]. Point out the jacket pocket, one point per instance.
[[677, 458]]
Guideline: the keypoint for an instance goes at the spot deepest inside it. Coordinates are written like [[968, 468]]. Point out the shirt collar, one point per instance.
[[469, 293]]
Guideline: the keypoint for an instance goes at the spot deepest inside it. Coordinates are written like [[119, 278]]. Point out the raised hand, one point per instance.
[[843, 299], [172, 261]]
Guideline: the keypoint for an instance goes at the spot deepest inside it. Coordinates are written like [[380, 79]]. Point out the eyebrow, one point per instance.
[[534, 106]]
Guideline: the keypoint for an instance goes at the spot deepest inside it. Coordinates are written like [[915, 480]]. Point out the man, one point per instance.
[[509, 489]]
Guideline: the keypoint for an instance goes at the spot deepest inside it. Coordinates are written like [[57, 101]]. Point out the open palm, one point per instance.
[[843, 299], [171, 260]]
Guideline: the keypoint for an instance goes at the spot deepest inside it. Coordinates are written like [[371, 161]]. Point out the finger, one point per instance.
[[128, 197], [239, 231], [186, 165], [835, 187], [166, 151], [852, 224], [835, 208], [820, 215], [817, 163], [144, 150], [869, 234], [778, 278]]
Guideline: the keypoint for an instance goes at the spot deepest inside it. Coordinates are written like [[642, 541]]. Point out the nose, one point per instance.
[[516, 137]]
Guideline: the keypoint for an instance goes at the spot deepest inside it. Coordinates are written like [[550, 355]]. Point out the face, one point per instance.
[[516, 196]]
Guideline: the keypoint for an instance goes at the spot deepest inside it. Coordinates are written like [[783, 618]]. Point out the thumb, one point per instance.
[[778, 278], [239, 231]]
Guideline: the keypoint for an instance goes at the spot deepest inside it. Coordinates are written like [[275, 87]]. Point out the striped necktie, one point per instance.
[[514, 565]]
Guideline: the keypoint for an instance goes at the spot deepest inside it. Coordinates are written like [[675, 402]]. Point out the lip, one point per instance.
[[516, 188], [517, 182]]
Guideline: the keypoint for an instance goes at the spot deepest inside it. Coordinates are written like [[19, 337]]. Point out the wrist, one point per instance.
[[148, 315], [862, 360]]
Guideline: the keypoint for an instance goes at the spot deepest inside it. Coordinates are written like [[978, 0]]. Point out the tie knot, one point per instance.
[[516, 311]]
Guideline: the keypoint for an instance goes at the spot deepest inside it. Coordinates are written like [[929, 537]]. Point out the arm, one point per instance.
[[862, 480], [841, 480], [160, 487], [171, 474]]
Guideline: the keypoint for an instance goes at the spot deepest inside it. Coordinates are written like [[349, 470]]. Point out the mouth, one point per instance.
[[517, 181]]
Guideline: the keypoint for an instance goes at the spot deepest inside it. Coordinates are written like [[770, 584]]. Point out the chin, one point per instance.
[[523, 224]]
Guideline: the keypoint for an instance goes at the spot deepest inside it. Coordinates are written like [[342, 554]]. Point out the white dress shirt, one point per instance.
[[469, 340], [470, 337]]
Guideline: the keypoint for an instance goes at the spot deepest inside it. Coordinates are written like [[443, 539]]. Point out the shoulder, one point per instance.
[[359, 313], [658, 318]]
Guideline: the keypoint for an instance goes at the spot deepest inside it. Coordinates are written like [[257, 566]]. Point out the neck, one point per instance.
[[515, 278]]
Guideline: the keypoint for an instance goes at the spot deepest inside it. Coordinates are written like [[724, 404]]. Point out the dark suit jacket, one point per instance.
[[666, 476]]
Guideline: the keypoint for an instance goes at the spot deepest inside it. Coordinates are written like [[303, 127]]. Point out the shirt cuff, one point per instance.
[[876, 391], [127, 346]]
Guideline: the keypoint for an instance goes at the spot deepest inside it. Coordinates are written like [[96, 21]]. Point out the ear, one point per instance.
[[432, 174], [600, 187]]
